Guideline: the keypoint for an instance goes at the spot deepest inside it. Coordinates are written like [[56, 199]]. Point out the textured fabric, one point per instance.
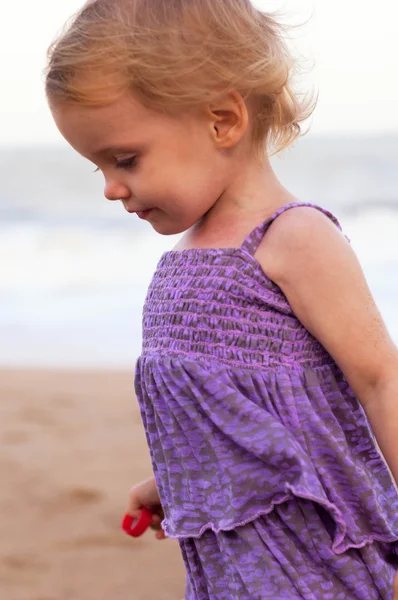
[[254, 432], [285, 556]]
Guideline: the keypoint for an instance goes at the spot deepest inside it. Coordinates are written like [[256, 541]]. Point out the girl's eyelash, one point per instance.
[[123, 164], [127, 164]]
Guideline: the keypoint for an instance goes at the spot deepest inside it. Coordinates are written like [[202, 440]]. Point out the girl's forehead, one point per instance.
[[120, 114], [88, 128], [125, 109], [122, 123]]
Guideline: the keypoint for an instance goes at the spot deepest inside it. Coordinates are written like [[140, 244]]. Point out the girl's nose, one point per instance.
[[116, 191]]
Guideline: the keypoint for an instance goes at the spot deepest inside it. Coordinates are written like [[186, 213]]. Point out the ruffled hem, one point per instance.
[[341, 542], [227, 446]]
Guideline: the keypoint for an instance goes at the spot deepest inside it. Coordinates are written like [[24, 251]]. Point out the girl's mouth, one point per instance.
[[144, 213]]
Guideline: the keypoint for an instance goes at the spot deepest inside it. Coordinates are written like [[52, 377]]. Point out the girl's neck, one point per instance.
[[252, 196]]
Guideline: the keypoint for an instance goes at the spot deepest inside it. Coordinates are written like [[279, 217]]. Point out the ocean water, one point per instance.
[[74, 268]]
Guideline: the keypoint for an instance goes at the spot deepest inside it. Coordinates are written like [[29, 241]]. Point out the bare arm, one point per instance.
[[310, 260]]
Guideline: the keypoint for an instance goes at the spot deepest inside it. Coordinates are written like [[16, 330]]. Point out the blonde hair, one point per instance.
[[180, 53]]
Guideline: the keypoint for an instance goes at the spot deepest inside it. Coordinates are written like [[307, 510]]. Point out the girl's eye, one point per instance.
[[128, 163]]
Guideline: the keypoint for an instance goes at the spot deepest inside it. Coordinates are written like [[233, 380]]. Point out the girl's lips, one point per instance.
[[144, 213]]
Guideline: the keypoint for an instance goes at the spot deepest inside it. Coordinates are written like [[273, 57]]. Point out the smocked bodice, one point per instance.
[[218, 304]]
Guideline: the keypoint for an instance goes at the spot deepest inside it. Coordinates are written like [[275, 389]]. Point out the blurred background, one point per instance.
[[74, 270], [76, 267]]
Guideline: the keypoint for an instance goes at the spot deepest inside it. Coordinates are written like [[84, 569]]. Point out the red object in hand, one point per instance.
[[136, 527]]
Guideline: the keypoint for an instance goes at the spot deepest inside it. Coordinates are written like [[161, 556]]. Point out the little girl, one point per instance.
[[267, 374]]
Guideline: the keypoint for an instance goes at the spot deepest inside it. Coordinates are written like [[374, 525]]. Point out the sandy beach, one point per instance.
[[72, 445]]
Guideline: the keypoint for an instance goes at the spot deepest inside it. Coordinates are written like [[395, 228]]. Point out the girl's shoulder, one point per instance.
[[312, 262], [298, 240]]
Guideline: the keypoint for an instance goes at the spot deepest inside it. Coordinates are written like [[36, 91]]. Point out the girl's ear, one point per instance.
[[228, 120]]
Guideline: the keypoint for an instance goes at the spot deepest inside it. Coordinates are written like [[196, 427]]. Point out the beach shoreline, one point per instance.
[[72, 445]]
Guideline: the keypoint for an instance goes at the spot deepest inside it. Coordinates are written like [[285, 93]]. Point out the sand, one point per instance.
[[72, 444]]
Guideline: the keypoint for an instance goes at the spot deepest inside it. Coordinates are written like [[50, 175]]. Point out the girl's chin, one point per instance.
[[167, 228]]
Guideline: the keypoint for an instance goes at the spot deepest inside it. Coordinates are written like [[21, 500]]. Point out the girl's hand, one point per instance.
[[146, 494]]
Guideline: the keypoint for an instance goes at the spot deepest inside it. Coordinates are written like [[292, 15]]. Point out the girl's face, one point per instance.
[[169, 166]]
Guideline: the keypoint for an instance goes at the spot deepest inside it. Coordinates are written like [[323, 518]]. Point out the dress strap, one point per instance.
[[253, 240]]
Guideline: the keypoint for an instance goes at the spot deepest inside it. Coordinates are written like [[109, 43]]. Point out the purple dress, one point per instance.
[[268, 472]]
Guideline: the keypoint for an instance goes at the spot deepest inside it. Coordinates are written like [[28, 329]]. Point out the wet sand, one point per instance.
[[72, 444]]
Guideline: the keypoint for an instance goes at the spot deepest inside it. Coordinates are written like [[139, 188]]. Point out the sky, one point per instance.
[[352, 45]]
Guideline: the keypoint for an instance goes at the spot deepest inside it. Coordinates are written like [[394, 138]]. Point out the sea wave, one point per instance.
[[73, 296]]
